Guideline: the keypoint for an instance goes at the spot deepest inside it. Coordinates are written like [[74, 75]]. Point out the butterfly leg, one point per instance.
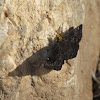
[[68, 63]]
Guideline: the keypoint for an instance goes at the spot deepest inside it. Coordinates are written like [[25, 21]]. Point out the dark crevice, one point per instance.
[[96, 82]]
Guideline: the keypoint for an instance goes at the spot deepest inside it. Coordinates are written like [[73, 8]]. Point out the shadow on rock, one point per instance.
[[32, 65]]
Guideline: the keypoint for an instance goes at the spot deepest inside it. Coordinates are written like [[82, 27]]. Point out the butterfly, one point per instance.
[[65, 48]]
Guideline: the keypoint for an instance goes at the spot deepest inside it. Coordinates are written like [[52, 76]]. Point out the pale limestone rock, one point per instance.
[[3, 26], [24, 35], [7, 64], [3, 32]]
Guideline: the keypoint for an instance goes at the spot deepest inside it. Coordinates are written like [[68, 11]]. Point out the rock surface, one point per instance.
[[27, 27]]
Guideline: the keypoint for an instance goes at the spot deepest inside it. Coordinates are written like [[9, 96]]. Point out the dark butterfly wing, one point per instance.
[[55, 60], [65, 49], [71, 40], [57, 65]]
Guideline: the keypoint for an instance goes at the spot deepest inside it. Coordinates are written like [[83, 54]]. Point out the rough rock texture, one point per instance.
[[27, 27]]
